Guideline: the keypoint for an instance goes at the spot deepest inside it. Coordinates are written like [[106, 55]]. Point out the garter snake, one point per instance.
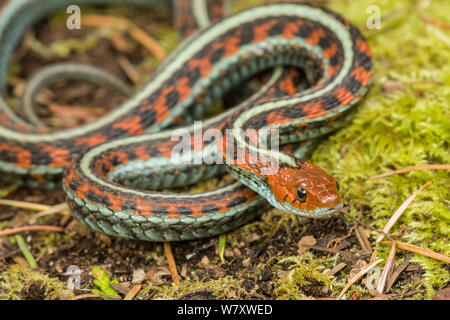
[[109, 165]]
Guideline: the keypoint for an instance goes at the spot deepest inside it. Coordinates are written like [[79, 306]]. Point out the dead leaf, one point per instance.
[[246, 262], [183, 271], [443, 294], [204, 261], [228, 253], [231, 294], [155, 275], [392, 86], [359, 265], [21, 261], [123, 287], [304, 243]]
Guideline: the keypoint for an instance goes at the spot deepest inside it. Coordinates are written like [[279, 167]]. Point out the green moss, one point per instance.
[[64, 48], [49, 240], [18, 281], [304, 272], [223, 288], [408, 127]]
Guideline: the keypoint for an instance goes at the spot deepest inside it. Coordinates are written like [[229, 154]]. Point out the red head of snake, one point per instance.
[[307, 191]]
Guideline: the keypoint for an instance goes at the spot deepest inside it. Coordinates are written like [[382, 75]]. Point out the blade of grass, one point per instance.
[[5, 191], [419, 250], [397, 272], [362, 239], [412, 168], [25, 251], [387, 269], [222, 245], [397, 214], [395, 217], [421, 6]]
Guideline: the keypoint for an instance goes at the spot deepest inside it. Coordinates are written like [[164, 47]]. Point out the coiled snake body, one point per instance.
[[109, 165]]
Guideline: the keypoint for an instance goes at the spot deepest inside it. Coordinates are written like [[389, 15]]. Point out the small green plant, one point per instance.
[[102, 281]]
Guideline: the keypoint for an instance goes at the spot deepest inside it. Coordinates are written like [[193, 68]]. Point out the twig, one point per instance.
[[362, 239], [397, 272], [387, 269], [194, 292], [120, 43], [421, 5], [364, 225], [7, 216], [124, 24], [9, 254], [24, 205], [412, 168], [336, 269], [25, 251], [258, 296], [8, 232], [358, 276], [339, 239], [395, 217], [133, 292], [130, 70], [57, 208], [355, 295], [151, 44], [419, 250], [399, 212], [171, 262], [94, 295], [342, 253]]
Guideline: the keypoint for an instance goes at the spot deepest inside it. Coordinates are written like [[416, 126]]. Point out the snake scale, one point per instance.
[[109, 166]]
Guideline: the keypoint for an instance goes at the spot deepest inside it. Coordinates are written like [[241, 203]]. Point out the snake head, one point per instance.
[[306, 191]]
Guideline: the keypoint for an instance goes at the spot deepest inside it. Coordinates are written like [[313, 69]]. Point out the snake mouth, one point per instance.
[[316, 213]]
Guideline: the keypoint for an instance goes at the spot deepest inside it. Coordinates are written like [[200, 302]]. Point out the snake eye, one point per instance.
[[301, 194]]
